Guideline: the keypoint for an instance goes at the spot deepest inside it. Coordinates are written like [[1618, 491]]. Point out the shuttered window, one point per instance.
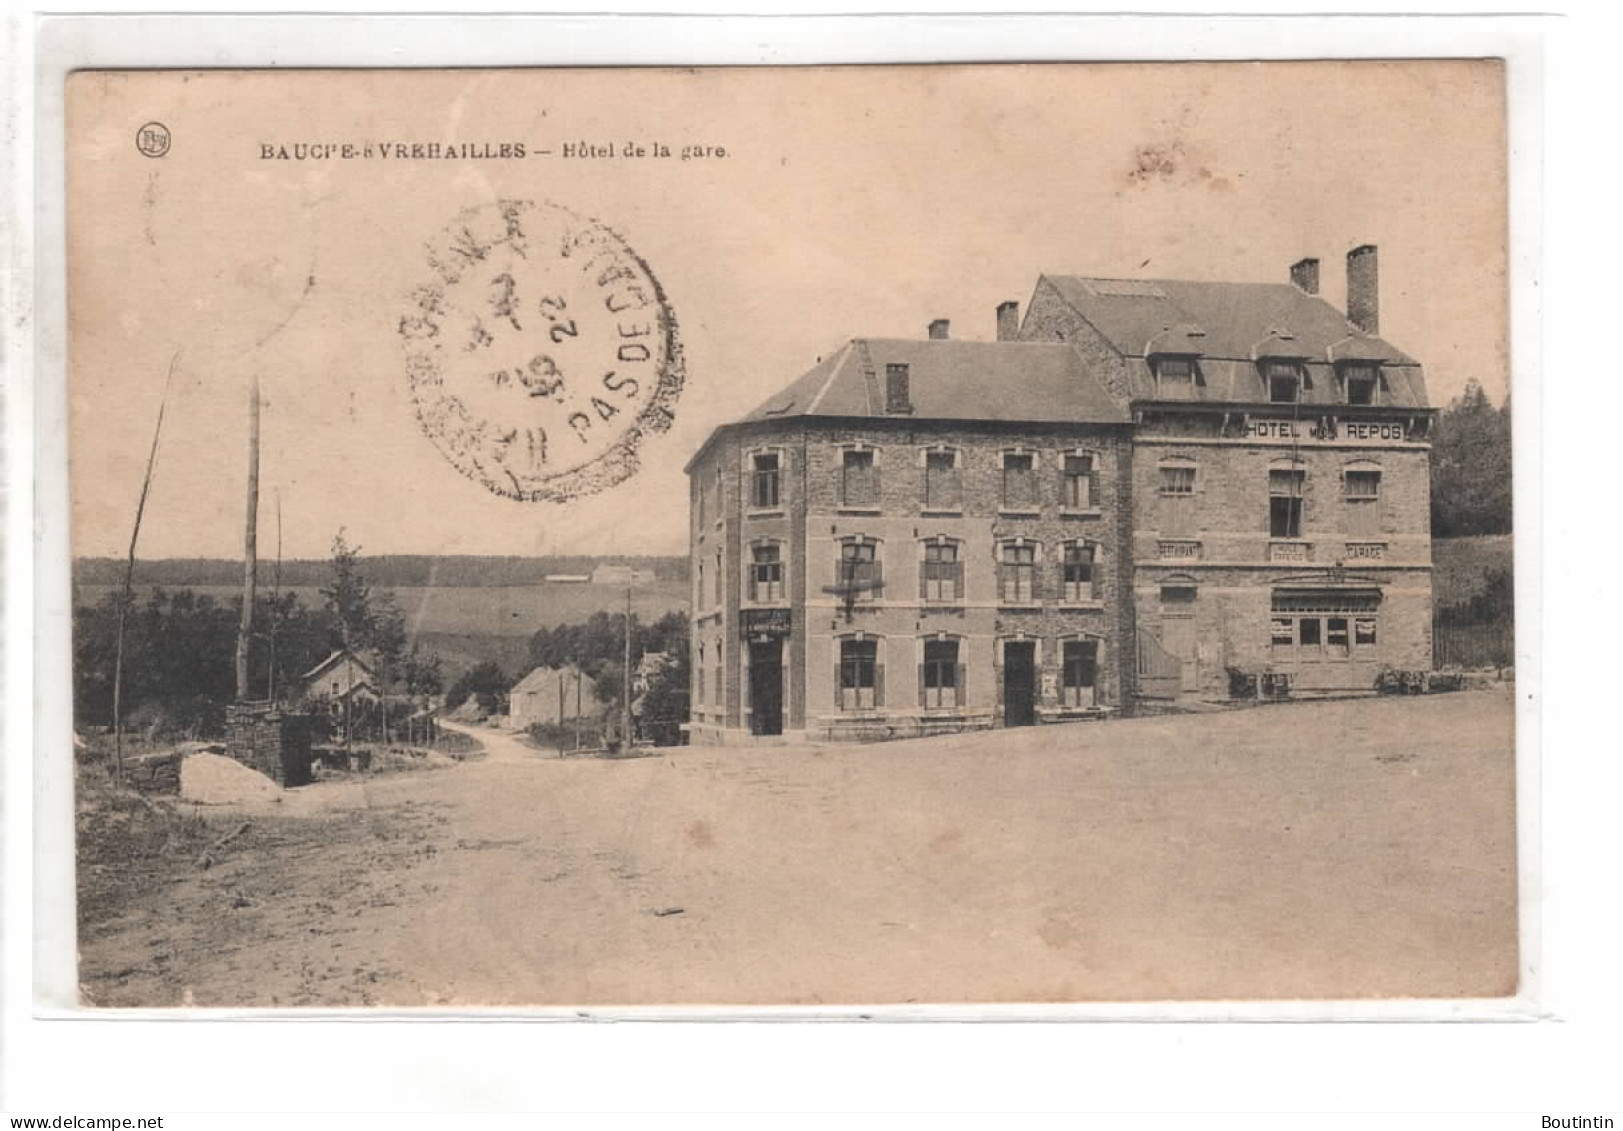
[[941, 676]]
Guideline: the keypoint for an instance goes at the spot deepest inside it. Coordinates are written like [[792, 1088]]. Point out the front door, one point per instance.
[[766, 687], [1019, 683]]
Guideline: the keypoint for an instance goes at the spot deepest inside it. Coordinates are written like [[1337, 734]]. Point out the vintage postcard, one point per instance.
[[915, 535]]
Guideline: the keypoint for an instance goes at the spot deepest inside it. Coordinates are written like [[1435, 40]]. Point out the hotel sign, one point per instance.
[[1353, 431], [766, 624]]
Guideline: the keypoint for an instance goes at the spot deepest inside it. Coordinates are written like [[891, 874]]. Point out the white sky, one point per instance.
[[853, 202]]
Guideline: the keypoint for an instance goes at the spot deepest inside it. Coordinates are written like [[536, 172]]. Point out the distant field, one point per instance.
[[1459, 565], [516, 610]]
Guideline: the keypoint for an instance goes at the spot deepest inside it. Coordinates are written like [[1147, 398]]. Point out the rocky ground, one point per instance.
[[1303, 850]]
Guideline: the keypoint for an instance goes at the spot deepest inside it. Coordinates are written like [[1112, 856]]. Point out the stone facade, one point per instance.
[[812, 617]]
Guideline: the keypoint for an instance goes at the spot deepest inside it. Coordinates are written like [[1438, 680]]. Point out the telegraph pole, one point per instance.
[[250, 547], [625, 679]]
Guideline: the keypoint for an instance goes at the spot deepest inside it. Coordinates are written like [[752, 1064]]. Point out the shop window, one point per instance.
[[1017, 580], [1362, 383], [859, 478], [1285, 502], [1285, 381], [764, 481], [1362, 491], [1328, 625], [943, 481], [1079, 673], [766, 573], [942, 574], [860, 575], [1077, 487], [941, 676], [859, 677], [1078, 571], [1019, 481]]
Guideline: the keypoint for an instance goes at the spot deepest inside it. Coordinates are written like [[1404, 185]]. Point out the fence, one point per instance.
[[1458, 642]]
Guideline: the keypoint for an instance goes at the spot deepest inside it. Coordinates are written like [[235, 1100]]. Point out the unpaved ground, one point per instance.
[[1342, 849]]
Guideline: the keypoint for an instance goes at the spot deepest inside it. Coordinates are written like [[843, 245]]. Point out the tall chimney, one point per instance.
[[1008, 321], [938, 329], [1305, 274], [1363, 289]]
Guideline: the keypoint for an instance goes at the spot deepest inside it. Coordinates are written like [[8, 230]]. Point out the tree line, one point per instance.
[[398, 571], [1471, 467], [180, 645]]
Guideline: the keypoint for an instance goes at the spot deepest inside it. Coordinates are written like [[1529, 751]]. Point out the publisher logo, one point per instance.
[[152, 139]]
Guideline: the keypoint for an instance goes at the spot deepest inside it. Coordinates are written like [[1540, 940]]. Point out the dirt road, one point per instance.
[[1299, 850]]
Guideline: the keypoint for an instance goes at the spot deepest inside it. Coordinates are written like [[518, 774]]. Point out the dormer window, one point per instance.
[[1361, 381], [1285, 381], [1175, 377], [898, 398]]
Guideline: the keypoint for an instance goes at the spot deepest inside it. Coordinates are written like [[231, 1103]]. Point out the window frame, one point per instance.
[[935, 576], [1188, 382], [1369, 371], [955, 484], [756, 567], [1072, 501], [1092, 563], [1034, 490], [1071, 697], [941, 675], [1027, 570], [846, 502], [875, 560], [850, 693], [1284, 369], [758, 475], [1292, 518]]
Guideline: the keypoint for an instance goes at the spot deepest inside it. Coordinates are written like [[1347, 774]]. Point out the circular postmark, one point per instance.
[[540, 350], [152, 139]]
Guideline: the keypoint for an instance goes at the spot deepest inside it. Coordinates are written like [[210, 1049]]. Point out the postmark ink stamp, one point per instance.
[[539, 351]]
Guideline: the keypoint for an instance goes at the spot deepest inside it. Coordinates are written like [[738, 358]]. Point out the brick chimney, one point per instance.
[[1008, 321], [1363, 289], [1305, 274], [938, 330]]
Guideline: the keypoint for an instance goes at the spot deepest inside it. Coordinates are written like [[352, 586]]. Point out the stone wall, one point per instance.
[[275, 743]]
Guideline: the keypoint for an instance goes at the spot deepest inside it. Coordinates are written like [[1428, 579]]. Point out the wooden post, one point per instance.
[[250, 546], [127, 593], [625, 678]]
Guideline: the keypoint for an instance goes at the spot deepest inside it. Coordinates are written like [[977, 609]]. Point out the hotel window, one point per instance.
[[1079, 673], [941, 676], [1362, 490], [859, 677], [720, 589], [1362, 382], [764, 481], [1285, 502], [698, 491], [766, 573], [1284, 382], [1078, 571], [942, 574], [1175, 377], [1175, 503], [1017, 581], [860, 575], [859, 478], [1019, 480], [703, 592], [698, 678], [1077, 487], [943, 481]]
